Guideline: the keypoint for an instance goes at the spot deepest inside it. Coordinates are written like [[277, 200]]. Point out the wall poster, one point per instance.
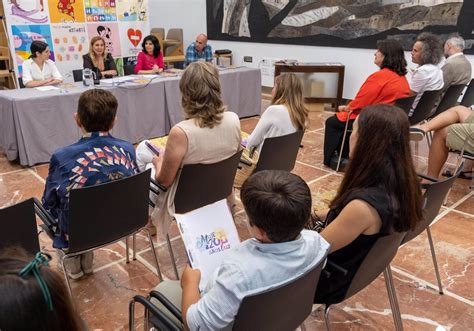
[[68, 25]]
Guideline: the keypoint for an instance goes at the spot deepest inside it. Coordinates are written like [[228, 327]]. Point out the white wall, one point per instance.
[[191, 16]]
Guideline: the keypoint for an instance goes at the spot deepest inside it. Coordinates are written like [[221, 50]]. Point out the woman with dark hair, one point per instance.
[[39, 70], [99, 60], [379, 195], [150, 60], [383, 86], [32, 296]]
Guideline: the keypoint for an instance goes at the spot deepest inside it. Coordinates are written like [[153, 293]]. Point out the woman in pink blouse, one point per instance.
[[150, 60]]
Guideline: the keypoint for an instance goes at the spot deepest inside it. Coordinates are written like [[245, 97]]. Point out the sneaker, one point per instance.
[[73, 267]]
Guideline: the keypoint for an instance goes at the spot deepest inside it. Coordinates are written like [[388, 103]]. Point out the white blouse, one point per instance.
[[31, 71]]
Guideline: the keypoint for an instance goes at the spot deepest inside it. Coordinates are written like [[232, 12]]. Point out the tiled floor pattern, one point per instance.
[[102, 299]]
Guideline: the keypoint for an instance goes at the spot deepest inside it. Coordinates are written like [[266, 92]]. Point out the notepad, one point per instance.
[[209, 234], [47, 88]]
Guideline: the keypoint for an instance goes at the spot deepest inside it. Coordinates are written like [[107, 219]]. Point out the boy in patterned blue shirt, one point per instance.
[[96, 158]]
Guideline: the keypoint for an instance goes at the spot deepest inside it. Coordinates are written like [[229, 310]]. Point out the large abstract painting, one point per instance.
[[339, 23]]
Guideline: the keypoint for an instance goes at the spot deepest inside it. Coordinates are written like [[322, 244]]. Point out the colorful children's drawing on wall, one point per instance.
[[213, 242], [70, 42], [66, 11], [24, 35], [131, 37], [28, 11], [100, 11], [132, 10], [110, 33]]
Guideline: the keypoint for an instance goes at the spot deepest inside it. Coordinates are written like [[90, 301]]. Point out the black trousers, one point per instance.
[[333, 134]]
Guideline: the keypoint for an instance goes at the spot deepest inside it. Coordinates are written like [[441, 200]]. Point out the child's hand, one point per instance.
[[190, 277], [157, 162]]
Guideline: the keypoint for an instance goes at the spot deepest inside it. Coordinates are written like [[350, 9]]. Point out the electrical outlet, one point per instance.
[[248, 59]]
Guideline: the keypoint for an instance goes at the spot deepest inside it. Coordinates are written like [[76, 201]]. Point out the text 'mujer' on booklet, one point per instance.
[[208, 233]]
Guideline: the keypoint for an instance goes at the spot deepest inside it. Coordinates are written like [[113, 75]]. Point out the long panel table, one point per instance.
[[33, 124]]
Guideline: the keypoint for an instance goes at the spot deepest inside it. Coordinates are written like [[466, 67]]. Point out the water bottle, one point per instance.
[[88, 77]]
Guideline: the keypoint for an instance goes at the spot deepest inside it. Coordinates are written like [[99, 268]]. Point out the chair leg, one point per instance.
[[127, 251], [65, 275], [173, 261], [392, 296], [343, 142], [435, 262], [134, 247], [158, 271], [326, 317], [131, 315]]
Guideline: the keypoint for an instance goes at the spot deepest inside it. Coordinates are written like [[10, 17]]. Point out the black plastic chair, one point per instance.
[[377, 261], [279, 153], [433, 200], [278, 309], [19, 228], [468, 98], [405, 103], [450, 99], [77, 75], [20, 82], [103, 214], [202, 184], [425, 107], [129, 69]]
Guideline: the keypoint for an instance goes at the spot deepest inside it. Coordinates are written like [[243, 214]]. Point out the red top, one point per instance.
[[383, 86], [146, 61]]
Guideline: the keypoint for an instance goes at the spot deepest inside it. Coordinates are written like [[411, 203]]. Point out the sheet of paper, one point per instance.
[[116, 80], [47, 88], [208, 233]]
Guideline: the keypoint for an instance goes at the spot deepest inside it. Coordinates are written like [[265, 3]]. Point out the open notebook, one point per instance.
[[208, 233]]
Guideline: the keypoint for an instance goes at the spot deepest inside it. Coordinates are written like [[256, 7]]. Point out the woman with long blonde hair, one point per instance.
[[99, 60], [287, 113]]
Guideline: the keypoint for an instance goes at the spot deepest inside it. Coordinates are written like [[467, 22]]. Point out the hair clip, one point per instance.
[[33, 267]]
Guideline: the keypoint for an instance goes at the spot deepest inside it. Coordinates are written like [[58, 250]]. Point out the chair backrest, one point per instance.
[[77, 75], [378, 258], [158, 32], [175, 33], [405, 103], [202, 184], [425, 106], [449, 99], [18, 224], [281, 308], [468, 98], [20, 82], [107, 212], [129, 69], [433, 200], [279, 153]]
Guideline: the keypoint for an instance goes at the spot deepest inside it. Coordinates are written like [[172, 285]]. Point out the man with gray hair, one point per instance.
[[457, 68]]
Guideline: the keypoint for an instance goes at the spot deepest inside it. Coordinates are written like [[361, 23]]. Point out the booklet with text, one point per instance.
[[209, 234]]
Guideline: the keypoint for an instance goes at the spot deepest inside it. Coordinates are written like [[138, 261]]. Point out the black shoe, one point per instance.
[[342, 165]]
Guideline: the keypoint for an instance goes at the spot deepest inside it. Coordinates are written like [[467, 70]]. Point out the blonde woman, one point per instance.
[[208, 134], [287, 113], [99, 60]]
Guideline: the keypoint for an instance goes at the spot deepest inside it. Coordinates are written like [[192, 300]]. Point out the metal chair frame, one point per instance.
[[245, 319], [87, 196]]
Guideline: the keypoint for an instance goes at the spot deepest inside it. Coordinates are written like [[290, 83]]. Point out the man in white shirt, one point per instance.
[[457, 68], [427, 52], [39, 70]]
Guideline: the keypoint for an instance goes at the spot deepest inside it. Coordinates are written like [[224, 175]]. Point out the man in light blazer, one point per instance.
[[457, 68]]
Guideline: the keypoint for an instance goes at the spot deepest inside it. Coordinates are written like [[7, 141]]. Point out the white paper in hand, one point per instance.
[[208, 234]]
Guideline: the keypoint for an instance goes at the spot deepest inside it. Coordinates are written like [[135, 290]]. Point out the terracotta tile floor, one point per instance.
[[102, 298]]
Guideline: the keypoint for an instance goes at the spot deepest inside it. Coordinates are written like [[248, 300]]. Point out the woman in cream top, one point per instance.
[[209, 134]]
